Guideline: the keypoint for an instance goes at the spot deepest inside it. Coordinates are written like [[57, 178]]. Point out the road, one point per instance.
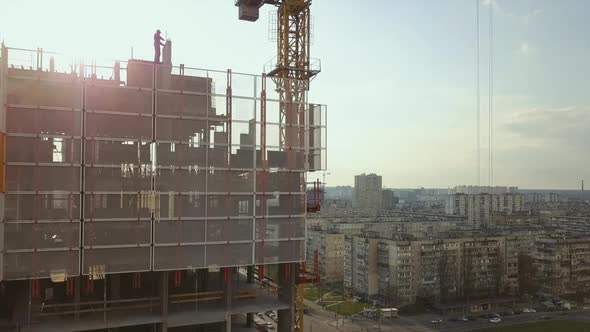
[[481, 323], [321, 320]]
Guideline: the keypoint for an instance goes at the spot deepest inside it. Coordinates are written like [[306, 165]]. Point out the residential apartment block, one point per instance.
[[562, 266], [367, 192], [360, 266], [474, 190], [330, 250], [443, 270], [436, 271], [480, 208]]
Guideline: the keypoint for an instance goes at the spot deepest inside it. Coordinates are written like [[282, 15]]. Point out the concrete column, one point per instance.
[[228, 322], [228, 291], [250, 273], [77, 288], [205, 277], [164, 300], [115, 283], [228, 288], [249, 279], [287, 288], [249, 319]]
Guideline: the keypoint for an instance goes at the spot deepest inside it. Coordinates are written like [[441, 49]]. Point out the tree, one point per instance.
[[527, 275], [446, 276]]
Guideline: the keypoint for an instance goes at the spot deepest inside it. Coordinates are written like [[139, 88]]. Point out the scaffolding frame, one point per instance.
[[261, 184]]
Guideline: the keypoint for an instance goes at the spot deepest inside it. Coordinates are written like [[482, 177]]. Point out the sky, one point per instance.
[[399, 77]]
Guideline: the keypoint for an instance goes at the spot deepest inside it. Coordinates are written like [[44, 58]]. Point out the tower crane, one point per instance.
[[293, 69], [292, 73]]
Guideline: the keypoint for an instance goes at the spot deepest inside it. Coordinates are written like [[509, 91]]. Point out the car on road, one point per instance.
[[545, 317], [493, 315], [529, 310], [495, 320], [463, 319], [472, 318], [436, 321], [453, 319]]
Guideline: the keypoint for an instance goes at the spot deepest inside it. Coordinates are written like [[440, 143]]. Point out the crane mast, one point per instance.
[[291, 72]]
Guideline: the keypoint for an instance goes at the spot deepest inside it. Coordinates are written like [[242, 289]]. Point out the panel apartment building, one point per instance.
[[444, 270], [329, 248], [367, 192], [145, 199], [562, 266], [480, 208], [361, 277], [432, 270]]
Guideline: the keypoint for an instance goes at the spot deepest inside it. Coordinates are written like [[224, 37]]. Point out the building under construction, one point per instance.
[[149, 197]]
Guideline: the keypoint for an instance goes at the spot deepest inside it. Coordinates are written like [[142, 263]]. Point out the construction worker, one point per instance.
[[157, 43]]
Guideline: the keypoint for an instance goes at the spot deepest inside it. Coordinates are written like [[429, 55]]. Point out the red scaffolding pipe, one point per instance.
[[262, 173]]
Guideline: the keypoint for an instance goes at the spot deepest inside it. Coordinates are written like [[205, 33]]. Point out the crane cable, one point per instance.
[[478, 102], [491, 108]]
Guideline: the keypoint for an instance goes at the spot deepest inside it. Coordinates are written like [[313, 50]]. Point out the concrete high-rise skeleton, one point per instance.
[[142, 195]]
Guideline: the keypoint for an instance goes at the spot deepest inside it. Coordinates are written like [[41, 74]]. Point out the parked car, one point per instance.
[[472, 318], [493, 315], [269, 326], [453, 319], [463, 319], [495, 320], [436, 321]]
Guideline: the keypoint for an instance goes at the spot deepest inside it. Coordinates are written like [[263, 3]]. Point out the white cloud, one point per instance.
[[565, 126], [524, 19], [524, 48]]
